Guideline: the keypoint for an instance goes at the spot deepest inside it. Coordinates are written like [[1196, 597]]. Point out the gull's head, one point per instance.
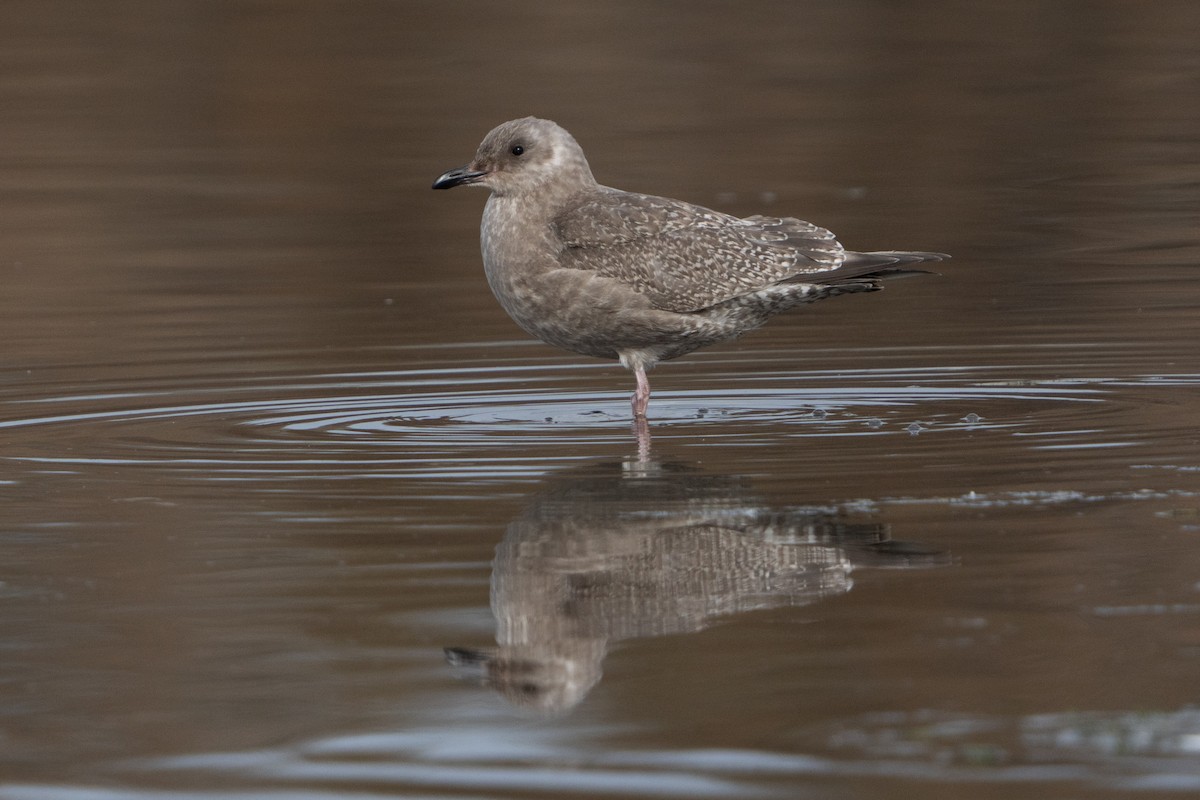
[[522, 157]]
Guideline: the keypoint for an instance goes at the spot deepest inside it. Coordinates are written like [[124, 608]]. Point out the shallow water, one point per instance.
[[291, 509]]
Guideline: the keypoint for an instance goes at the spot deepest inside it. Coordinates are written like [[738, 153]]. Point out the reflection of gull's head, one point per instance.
[[549, 683]]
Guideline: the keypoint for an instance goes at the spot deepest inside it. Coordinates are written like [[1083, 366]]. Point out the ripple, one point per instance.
[[1088, 748], [378, 423]]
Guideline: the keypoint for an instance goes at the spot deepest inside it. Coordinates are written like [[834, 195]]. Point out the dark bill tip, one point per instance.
[[466, 656], [457, 177]]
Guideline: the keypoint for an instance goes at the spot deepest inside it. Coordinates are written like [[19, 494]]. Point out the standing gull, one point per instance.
[[639, 278]]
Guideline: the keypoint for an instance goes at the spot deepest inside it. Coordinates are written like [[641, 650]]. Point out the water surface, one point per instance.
[[291, 509]]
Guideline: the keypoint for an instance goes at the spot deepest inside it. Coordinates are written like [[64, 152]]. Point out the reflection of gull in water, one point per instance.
[[615, 551]]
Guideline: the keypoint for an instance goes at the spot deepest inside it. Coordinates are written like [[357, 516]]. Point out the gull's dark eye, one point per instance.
[[517, 150]]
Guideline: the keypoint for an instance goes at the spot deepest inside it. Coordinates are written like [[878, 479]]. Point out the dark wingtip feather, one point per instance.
[[884, 258], [875, 266]]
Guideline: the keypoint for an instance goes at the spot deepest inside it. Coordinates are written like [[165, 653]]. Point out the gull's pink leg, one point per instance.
[[641, 429], [641, 397]]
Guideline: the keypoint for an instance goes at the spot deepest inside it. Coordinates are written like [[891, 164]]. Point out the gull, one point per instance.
[[635, 277]]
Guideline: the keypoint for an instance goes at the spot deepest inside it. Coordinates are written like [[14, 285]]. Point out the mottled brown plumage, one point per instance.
[[636, 277]]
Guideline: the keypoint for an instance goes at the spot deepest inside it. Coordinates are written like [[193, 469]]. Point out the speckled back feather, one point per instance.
[[685, 257]]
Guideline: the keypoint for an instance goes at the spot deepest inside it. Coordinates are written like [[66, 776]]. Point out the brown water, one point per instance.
[[291, 509]]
